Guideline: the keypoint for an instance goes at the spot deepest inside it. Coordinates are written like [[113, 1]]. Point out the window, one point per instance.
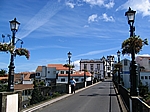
[[61, 72], [48, 71], [91, 66], [82, 79], [108, 68], [146, 77], [125, 62], [76, 79], [149, 77], [54, 72], [142, 77], [62, 79], [98, 66], [85, 66], [37, 74]]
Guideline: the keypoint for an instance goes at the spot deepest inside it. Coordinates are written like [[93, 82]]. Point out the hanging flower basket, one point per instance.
[[117, 65], [22, 52], [68, 65], [6, 47]]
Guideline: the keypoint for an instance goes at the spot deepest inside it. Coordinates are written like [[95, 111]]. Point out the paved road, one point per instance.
[[98, 98]]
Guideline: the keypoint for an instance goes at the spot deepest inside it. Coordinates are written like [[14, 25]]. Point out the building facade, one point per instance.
[[142, 70], [57, 73], [99, 68], [144, 76]]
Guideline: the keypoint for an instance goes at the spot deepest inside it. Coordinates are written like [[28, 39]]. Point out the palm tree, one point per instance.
[[133, 43], [2, 72]]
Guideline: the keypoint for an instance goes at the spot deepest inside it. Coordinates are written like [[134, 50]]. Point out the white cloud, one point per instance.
[[141, 6], [77, 64], [86, 26], [94, 2], [92, 18], [106, 18], [96, 52], [100, 3], [71, 5], [109, 5]]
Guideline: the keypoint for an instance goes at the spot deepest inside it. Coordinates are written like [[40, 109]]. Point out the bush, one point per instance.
[[36, 96], [55, 94], [143, 89]]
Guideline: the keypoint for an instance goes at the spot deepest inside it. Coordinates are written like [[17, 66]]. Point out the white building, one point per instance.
[[144, 62], [78, 76], [57, 73], [99, 68], [125, 72], [143, 67]]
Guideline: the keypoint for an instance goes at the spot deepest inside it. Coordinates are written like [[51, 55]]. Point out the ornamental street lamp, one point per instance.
[[103, 59], [131, 17], [118, 54], [69, 56], [85, 69], [14, 25]]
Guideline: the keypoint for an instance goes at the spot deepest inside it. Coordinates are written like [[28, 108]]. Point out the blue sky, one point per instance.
[[89, 29]]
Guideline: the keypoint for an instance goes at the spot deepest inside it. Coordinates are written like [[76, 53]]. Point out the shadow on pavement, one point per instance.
[[95, 94]]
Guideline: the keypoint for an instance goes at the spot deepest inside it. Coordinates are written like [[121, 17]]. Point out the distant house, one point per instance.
[[99, 68], [143, 70], [125, 72], [23, 78], [144, 66], [23, 81], [77, 75], [49, 73], [57, 73]]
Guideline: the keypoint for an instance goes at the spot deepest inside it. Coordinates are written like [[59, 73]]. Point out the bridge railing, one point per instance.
[[132, 103]]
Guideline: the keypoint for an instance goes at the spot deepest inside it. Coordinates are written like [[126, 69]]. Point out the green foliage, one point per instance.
[[22, 51], [3, 87], [56, 94], [6, 47], [2, 72], [42, 83], [36, 96], [69, 65], [143, 89], [85, 70]]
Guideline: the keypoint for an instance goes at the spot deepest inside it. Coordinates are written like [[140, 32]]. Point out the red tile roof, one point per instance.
[[3, 78], [39, 69], [58, 66]]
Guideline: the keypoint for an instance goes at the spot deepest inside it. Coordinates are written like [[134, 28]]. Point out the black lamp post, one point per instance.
[[118, 54], [103, 59], [14, 25], [131, 16], [69, 56], [85, 75]]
